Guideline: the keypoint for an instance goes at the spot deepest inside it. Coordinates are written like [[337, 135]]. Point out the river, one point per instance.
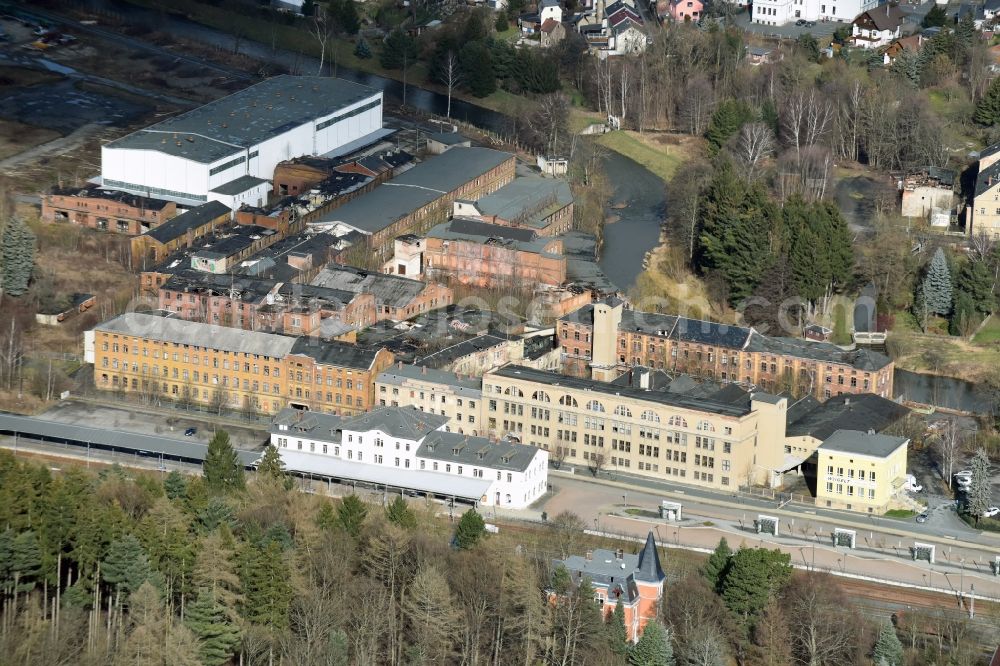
[[625, 242], [947, 392]]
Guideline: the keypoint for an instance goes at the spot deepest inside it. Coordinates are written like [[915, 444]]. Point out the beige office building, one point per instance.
[[451, 394]]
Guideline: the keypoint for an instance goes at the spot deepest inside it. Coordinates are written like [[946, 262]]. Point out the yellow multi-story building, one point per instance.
[[860, 471], [984, 213], [451, 394], [724, 440], [231, 368]]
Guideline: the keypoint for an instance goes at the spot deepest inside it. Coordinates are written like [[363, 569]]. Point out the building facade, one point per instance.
[[155, 245], [705, 441], [450, 394], [207, 154], [406, 449], [169, 358], [106, 210], [780, 12], [604, 340], [984, 213], [637, 582], [860, 471]]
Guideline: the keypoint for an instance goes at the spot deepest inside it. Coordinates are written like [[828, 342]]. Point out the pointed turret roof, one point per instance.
[[649, 570]]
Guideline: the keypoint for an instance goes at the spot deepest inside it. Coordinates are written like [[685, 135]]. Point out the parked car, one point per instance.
[[912, 485], [922, 518], [964, 472], [991, 512], [800, 22], [190, 432]]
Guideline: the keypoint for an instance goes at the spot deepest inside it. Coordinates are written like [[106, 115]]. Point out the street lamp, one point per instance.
[[625, 499]]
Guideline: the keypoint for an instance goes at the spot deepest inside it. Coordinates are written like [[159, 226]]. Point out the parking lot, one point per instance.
[[130, 420]]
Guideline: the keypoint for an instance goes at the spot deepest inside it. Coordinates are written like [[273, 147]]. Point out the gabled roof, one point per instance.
[[987, 179], [862, 443], [403, 422], [884, 17], [549, 25], [192, 219]]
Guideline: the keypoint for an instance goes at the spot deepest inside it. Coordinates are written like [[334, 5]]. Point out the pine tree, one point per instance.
[[988, 108], [267, 592], [888, 649], [127, 566], [980, 490], [976, 279], [362, 50], [345, 14], [715, 568], [326, 517], [755, 575], [617, 632], [175, 485], [217, 512], [398, 51], [653, 648], [25, 563], [936, 17], [216, 570], [907, 67], [471, 529], [17, 257], [271, 467], [964, 318], [477, 69], [936, 285], [728, 119], [351, 514], [222, 467], [217, 637], [398, 512]]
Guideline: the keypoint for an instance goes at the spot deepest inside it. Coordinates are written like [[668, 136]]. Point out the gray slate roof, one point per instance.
[[239, 185], [450, 354], [672, 327], [402, 422], [862, 443], [861, 412], [192, 219], [421, 185], [394, 290], [171, 329], [448, 138], [477, 451], [334, 353], [399, 373], [680, 400], [824, 352], [232, 124], [618, 575], [527, 200]]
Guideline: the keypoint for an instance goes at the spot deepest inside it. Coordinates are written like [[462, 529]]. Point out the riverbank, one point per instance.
[[339, 52], [660, 152]]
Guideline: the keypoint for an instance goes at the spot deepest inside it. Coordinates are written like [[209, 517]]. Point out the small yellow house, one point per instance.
[[860, 471]]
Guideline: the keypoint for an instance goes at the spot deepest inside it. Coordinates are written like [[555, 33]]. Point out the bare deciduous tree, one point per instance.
[[452, 76], [948, 447], [756, 142]]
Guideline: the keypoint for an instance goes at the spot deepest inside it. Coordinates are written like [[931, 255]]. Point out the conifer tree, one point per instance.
[[888, 649], [222, 467], [754, 576], [175, 485], [398, 51], [976, 279], [936, 287], [217, 637], [127, 566], [653, 648], [267, 591], [271, 467], [714, 569], [617, 632], [398, 512], [980, 490], [988, 108], [351, 514], [362, 50], [477, 69], [471, 529], [17, 256]]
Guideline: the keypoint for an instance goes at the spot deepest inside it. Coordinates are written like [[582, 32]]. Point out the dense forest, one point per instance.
[[121, 567]]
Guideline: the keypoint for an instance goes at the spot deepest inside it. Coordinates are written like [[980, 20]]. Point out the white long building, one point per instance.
[[405, 449], [780, 12], [226, 150]]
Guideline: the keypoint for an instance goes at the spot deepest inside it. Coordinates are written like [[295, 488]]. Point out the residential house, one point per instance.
[[102, 209], [452, 394], [861, 471], [685, 10], [782, 12], [405, 449], [984, 213], [877, 27], [911, 44], [637, 582], [551, 32], [760, 55]]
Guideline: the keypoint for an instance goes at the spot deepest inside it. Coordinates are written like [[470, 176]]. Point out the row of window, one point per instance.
[[153, 191], [862, 474], [227, 165], [348, 114], [851, 490]]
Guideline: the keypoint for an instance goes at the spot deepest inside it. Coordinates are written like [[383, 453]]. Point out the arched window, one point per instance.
[[650, 415], [568, 401], [541, 396], [706, 426], [678, 421], [595, 406], [622, 410], [514, 391]]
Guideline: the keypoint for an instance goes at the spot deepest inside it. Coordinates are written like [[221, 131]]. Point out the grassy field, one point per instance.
[[656, 155], [990, 332], [17, 137], [901, 514], [944, 355]]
